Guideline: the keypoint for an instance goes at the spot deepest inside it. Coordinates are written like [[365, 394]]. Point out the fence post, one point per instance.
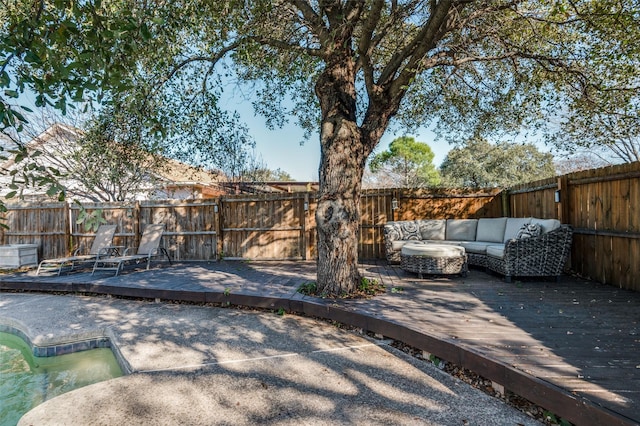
[[303, 223], [3, 221], [394, 205], [506, 203], [68, 231], [563, 201], [311, 233], [136, 224], [217, 224]]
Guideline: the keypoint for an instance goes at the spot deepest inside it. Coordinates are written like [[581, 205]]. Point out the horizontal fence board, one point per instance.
[[184, 233], [621, 234], [26, 233]]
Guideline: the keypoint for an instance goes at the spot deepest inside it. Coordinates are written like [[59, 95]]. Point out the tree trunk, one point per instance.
[[342, 164], [338, 214]]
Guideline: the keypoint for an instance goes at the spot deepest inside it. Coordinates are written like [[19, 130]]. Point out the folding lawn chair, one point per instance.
[[100, 246], [149, 247]]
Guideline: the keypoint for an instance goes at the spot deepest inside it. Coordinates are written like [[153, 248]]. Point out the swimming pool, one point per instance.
[[28, 380]]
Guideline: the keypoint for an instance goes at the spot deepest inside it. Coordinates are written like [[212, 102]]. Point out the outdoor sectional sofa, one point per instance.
[[508, 246]]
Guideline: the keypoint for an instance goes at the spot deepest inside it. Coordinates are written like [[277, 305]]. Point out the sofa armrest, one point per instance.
[[399, 231], [392, 232], [545, 254]]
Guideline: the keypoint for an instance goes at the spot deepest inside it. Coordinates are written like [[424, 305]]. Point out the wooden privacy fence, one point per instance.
[[270, 226], [273, 226], [190, 228], [603, 207], [43, 224]]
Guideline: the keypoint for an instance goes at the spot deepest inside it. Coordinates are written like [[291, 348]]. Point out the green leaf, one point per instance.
[[20, 116], [144, 30], [32, 58], [11, 194], [53, 190], [4, 79]]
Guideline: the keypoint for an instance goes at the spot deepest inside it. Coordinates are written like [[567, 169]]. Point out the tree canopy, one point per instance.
[[480, 164], [407, 163], [578, 161], [606, 117], [351, 69], [612, 135]]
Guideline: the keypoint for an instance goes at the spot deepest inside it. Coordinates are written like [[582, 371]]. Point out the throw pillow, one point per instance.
[[392, 231], [529, 230], [410, 230]]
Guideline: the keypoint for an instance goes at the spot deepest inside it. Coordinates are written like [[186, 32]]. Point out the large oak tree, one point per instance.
[[351, 69], [480, 164]]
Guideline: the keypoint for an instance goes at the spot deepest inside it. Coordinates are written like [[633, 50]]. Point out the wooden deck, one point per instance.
[[578, 335], [572, 346]]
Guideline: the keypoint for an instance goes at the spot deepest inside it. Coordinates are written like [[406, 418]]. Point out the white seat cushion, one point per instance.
[[496, 251], [432, 250], [476, 247], [491, 230], [461, 229], [398, 244]]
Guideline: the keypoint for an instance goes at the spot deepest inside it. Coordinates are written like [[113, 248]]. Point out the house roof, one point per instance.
[[56, 130], [269, 187], [175, 171]]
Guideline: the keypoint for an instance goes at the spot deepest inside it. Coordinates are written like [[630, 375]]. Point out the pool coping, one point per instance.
[[67, 344]]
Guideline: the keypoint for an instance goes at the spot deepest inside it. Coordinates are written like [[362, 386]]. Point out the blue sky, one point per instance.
[[281, 149]]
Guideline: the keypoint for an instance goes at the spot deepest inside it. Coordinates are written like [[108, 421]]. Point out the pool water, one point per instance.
[[26, 380]]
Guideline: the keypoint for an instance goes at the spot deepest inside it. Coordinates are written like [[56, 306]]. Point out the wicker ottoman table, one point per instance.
[[433, 259]]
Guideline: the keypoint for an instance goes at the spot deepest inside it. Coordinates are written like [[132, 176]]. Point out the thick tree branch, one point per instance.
[[314, 20], [414, 52], [366, 41], [282, 45]]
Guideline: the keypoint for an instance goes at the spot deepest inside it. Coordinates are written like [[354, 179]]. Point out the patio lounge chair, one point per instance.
[[100, 245], [149, 247]]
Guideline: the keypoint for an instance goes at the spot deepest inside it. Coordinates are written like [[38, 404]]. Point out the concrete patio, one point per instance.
[[569, 346]]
